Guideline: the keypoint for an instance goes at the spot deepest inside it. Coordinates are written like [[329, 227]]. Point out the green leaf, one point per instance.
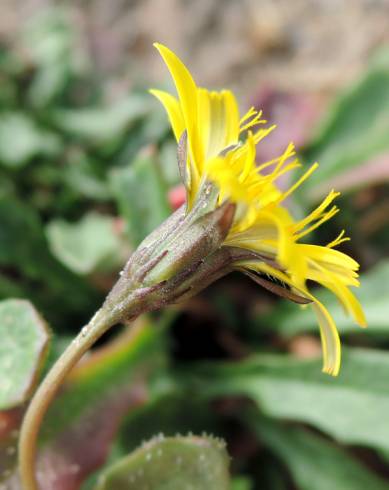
[[101, 125], [141, 194], [82, 423], [81, 175], [32, 269], [87, 245], [315, 463], [51, 39], [177, 414], [21, 140], [171, 464], [50, 36], [110, 373], [21, 235], [352, 407], [24, 341], [48, 82], [101, 391], [355, 130], [241, 483], [373, 294]]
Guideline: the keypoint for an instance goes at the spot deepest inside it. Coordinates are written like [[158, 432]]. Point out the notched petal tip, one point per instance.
[[331, 371], [329, 337], [362, 321], [158, 45]]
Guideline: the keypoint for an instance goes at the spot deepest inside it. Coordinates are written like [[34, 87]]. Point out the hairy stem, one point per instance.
[[43, 397]]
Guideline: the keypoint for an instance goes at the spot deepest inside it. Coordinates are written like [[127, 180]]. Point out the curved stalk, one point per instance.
[[43, 397]]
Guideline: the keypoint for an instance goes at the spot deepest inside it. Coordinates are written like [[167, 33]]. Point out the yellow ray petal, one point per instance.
[[329, 255], [219, 116], [329, 338], [330, 280], [232, 112], [328, 332], [349, 302], [173, 110], [284, 238], [187, 94]]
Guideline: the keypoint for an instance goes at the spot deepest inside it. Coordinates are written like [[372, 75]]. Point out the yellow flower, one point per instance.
[[221, 148], [210, 118]]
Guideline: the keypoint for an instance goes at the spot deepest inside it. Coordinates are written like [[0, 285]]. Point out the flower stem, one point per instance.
[[43, 397]]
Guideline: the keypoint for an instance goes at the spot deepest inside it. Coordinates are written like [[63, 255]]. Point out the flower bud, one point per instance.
[[173, 261]]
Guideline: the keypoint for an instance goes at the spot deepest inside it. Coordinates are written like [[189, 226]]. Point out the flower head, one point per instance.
[[217, 157]]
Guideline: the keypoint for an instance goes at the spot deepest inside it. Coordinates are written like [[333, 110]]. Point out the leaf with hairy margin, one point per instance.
[[24, 342], [171, 463], [98, 394], [23, 347]]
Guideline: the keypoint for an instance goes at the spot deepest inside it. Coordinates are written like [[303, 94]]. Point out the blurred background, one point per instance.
[[88, 168]]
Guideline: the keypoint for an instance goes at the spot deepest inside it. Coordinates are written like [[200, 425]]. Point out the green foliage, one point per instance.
[[102, 127], [61, 137], [241, 483], [21, 140], [117, 371], [171, 464], [86, 246], [351, 407], [23, 348], [28, 269], [113, 380], [354, 131], [141, 196], [309, 458], [24, 340]]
